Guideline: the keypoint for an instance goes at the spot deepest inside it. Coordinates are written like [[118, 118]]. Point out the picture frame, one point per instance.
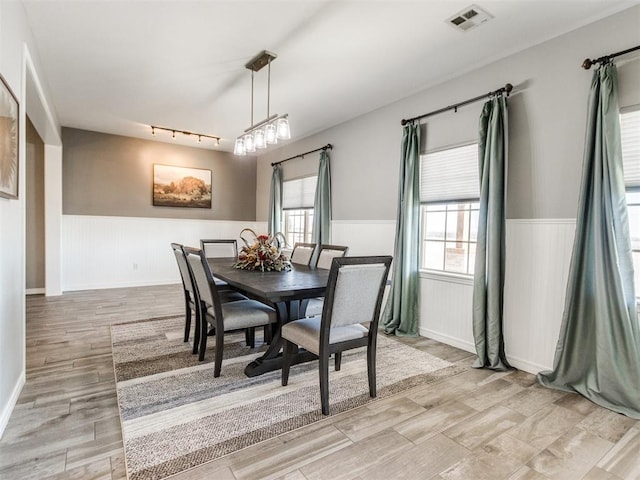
[[9, 145], [176, 186]]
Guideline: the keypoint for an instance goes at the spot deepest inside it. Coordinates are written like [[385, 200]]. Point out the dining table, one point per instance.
[[287, 291]]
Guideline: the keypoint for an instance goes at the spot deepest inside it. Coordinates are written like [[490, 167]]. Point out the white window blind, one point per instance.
[[299, 193], [450, 175], [630, 133]]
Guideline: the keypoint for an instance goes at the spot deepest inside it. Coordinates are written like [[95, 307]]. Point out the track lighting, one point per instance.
[[185, 132]]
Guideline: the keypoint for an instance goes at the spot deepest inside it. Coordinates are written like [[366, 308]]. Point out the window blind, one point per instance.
[[450, 175], [630, 133], [299, 193]]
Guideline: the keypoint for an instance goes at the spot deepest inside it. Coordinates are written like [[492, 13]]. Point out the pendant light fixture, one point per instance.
[[271, 129]]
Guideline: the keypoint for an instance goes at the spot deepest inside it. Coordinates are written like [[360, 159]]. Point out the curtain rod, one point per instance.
[[506, 89], [328, 146], [602, 60]]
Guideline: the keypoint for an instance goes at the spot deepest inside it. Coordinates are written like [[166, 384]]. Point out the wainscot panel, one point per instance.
[[110, 252]]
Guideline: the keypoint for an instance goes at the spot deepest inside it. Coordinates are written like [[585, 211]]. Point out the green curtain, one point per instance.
[[322, 203], [401, 313], [488, 282], [598, 350], [275, 201]]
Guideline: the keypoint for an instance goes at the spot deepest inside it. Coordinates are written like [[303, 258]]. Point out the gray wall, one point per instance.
[[34, 228], [547, 116], [111, 175]]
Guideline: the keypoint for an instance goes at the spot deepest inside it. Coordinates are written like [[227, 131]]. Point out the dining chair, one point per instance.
[[326, 253], [191, 295], [325, 256], [219, 248], [349, 319], [302, 253], [228, 248], [236, 315], [189, 290]]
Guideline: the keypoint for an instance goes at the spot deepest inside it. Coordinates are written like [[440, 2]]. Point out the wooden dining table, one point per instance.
[[287, 291]]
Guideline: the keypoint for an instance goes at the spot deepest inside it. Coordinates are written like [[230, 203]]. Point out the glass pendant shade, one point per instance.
[[270, 134], [249, 144], [238, 149], [282, 126], [259, 139]]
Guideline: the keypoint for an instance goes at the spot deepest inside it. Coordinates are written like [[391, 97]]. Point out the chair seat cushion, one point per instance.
[[227, 296], [245, 314], [306, 333], [314, 307]]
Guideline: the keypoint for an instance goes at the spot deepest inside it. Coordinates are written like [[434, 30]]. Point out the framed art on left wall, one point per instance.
[[9, 111]]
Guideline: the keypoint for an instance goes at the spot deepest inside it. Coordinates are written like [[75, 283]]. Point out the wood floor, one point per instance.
[[476, 425]]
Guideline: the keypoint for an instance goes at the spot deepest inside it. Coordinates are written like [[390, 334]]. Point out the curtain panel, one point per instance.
[[275, 201], [401, 313], [488, 285], [322, 205], [598, 350]]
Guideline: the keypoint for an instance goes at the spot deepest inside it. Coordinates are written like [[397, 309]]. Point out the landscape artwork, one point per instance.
[[8, 141], [181, 187]]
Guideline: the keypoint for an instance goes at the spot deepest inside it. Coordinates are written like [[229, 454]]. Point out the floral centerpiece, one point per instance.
[[262, 255]]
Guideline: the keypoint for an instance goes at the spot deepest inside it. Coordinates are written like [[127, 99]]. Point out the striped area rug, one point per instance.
[[175, 415]]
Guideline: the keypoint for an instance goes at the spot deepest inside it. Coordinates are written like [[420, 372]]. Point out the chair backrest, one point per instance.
[[303, 253], [185, 273], [219, 248], [354, 291], [202, 276], [327, 253]]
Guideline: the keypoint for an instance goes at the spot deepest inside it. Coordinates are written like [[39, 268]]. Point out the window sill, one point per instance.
[[447, 277]]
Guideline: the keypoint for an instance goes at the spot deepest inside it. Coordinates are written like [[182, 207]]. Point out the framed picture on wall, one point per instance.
[[9, 109], [181, 187]]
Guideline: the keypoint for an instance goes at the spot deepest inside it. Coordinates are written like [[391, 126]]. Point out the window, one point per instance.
[[449, 233], [298, 225], [449, 193], [630, 133], [298, 196]]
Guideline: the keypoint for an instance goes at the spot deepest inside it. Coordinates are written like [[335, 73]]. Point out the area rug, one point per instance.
[[175, 415]]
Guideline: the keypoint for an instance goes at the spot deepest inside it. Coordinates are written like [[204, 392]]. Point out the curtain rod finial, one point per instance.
[[587, 63], [404, 121], [508, 88]]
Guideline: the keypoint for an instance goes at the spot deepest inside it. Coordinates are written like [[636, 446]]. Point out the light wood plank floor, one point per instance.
[[476, 425]]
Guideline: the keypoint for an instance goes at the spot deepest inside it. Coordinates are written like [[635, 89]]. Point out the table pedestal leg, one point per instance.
[[272, 358]]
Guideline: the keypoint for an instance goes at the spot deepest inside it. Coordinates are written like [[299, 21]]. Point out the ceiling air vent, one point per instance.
[[469, 18]]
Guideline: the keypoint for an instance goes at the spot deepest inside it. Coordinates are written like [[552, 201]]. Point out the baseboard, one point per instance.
[[35, 291], [11, 403], [142, 283], [449, 340], [526, 366], [519, 363]]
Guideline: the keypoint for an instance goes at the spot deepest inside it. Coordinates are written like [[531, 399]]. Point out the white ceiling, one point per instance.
[[120, 66]]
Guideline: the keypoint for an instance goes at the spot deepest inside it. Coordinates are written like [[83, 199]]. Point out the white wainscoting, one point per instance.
[[537, 265], [445, 309], [109, 252], [538, 258]]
